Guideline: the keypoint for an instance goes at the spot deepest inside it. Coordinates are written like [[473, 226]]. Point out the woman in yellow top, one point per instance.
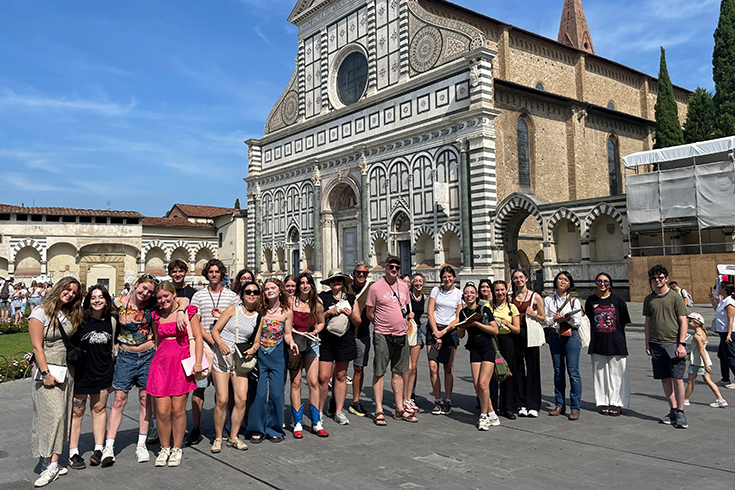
[[509, 325]]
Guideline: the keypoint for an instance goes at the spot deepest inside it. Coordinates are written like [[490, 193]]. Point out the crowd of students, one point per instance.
[[16, 299], [168, 340]]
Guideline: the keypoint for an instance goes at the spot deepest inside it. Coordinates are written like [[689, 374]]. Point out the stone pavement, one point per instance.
[[443, 452]]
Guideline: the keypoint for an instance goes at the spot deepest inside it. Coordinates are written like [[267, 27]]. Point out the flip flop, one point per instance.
[[379, 419], [256, 438]]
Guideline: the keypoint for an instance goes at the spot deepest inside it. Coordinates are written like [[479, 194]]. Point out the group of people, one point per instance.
[[169, 340], [16, 298]]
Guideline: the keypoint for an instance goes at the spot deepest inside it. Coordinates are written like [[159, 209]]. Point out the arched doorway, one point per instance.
[[401, 237], [518, 236], [294, 246], [341, 228]]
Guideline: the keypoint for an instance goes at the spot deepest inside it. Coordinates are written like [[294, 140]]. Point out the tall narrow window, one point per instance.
[[612, 166], [524, 153]]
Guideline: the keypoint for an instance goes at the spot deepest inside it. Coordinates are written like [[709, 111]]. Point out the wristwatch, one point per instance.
[[44, 374], [682, 343]]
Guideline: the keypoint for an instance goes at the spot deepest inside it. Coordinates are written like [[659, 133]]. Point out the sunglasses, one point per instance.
[[152, 278], [394, 267], [361, 273], [658, 278], [600, 281], [251, 292]]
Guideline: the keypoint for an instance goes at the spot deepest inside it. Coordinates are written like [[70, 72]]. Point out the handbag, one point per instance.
[[584, 332], [338, 325], [413, 337], [243, 365], [207, 357], [502, 370], [565, 328], [74, 354]]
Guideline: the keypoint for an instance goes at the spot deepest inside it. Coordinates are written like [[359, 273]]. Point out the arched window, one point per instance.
[[446, 167], [611, 105], [524, 155], [540, 86], [612, 166]]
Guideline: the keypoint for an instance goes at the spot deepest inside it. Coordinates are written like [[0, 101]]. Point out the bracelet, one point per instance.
[[191, 338]]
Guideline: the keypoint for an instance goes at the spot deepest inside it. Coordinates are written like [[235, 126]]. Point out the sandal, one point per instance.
[[615, 411], [605, 410], [276, 439], [409, 417], [379, 419], [256, 438]]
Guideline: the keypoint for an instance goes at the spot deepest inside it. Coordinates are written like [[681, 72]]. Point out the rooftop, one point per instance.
[[9, 208], [174, 223], [196, 211]]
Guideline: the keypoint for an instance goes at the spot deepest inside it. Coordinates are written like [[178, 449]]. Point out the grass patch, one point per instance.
[[14, 343]]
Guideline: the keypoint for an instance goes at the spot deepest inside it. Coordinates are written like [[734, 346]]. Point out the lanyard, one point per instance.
[[219, 296]]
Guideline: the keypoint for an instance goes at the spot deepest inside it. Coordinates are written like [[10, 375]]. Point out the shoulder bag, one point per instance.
[[502, 370], [585, 334], [534, 330], [74, 354], [243, 365], [413, 337], [565, 328], [339, 324]]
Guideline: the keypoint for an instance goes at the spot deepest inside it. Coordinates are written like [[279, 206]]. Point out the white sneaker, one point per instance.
[[349, 380], [484, 423], [730, 386], [141, 454], [108, 456], [686, 403], [341, 418], [718, 403], [493, 419], [175, 458], [63, 470], [523, 412], [533, 413], [162, 457], [47, 476]]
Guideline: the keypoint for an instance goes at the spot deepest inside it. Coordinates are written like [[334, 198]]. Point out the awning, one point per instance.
[[704, 152]]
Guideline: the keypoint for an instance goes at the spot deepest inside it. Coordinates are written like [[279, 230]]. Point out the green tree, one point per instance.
[[668, 128], [723, 70], [700, 123], [237, 203]]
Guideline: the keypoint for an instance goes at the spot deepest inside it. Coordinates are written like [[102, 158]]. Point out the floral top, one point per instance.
[[135, 324], [272, 334]]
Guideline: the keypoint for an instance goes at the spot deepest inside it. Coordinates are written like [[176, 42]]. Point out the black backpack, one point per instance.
[[5, 292]]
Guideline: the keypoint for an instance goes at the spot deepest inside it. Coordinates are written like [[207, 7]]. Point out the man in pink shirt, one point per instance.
[[387, 309]]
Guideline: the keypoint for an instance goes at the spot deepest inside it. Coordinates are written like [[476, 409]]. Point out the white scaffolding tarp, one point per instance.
[[702, 152], [705, 192]]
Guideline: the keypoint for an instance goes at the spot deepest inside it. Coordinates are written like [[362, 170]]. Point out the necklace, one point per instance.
[[275, 309]]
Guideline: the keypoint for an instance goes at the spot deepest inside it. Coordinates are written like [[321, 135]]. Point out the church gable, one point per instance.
[[286, 110]]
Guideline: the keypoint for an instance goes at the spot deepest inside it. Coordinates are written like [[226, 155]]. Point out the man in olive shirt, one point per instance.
[[666, 331]]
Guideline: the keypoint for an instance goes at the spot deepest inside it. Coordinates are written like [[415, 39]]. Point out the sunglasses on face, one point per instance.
[[361, 273], [251, 292], [600, 281], [394, 267], [152, 278], [658, 278]]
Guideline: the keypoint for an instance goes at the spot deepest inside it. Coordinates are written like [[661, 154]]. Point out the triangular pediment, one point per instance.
[[304, 6]]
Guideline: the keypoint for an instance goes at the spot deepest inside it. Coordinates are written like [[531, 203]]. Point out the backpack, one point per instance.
[[5, 292]]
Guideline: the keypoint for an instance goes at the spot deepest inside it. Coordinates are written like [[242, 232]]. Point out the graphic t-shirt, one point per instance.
[[96, 338], [135, 324], [608, 318]]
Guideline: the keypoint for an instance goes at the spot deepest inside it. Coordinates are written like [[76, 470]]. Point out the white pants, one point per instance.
[[611, 380]]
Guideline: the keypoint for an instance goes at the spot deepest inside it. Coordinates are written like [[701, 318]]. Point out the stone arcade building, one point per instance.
[[427, 130]]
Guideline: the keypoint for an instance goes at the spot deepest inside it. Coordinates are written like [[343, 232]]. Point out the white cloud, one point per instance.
[[9, 98], [21, 182]]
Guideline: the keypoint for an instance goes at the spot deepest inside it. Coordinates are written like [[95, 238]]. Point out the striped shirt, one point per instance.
[[205, 300]]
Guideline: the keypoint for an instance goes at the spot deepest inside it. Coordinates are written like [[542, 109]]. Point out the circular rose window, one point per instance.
[[352, 78]]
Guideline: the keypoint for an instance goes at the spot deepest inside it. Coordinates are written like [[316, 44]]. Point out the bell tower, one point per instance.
[[573, 30]]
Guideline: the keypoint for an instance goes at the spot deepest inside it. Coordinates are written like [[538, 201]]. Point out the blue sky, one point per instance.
[[146, 103]]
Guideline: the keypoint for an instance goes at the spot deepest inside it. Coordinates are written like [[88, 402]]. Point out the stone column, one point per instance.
[[258, 230], [365, 219], [317, 181], [464, 203]]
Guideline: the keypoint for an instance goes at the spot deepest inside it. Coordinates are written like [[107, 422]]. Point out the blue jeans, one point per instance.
[[266, 412], [565, 351]]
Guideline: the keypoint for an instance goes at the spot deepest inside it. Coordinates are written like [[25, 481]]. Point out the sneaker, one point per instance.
[[730, 386], [175, 458], [413, 405], [718, 403], [152, 436], [76, 462], [163, 456], [493, 419], [332, 407], [723, 382], [194, 437], [669, 419], [681, 420], [141, 454], [238, 444], [446, 407], [341, 418], [349, 380], [437, 410], [216, 446], [686, 403], [298, 431], [47, 476], [108, 456], [484, 423], [357, 409], [408, 408], [63, 470], [533, 414], [523, 412], [319, 430], [96, 458]]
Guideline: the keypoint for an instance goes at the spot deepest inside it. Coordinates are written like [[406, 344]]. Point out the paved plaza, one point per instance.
[[444, 452]]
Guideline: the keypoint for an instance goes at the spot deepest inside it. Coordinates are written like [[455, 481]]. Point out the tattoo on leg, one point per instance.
[[79, 403]]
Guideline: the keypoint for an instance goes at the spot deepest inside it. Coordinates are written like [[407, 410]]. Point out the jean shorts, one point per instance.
[[295, 363], [131, 369], [4, 305]]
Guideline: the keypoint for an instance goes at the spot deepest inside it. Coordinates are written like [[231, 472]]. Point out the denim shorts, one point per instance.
[[131, 369], [295, 363], [4, 305]]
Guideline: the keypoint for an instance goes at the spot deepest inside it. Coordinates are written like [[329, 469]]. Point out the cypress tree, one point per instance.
[[668, 128], [700, 123], [723, 70], [237, 203]]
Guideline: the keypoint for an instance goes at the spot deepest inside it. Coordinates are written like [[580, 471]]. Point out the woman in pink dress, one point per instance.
[[167, 381]]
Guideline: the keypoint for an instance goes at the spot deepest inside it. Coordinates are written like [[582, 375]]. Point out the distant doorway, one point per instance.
[[295, 261], [404, 252], [350, 250]]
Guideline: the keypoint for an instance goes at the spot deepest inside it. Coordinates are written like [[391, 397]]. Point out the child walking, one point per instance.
[[700, 362]]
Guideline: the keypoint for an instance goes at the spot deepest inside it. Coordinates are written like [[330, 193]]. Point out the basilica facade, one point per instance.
[[429, 131]]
